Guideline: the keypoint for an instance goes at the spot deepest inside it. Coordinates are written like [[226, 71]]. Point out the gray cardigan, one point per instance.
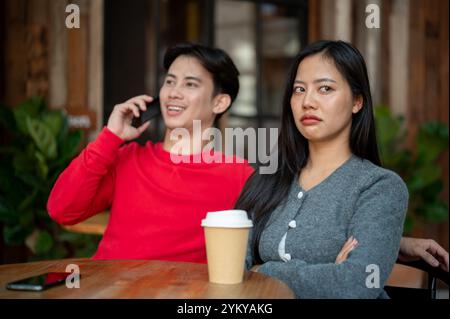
[[359, 199]]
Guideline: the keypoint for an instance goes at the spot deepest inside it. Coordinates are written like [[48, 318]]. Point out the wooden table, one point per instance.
[[141, 279]]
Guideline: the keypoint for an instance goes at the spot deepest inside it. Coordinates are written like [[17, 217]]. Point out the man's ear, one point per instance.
[[358, 102], [221, 103]]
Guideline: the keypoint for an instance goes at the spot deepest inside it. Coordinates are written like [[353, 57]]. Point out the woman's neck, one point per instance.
[[327, 156], [324, 158]]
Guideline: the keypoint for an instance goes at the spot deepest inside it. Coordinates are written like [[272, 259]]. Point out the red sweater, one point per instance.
[[156, 206]]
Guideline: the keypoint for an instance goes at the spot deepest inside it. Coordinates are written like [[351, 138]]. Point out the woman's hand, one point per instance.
[[349, 245], [426, 249], [120, 120]]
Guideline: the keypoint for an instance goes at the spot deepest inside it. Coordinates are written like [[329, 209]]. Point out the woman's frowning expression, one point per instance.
[[322, 102]]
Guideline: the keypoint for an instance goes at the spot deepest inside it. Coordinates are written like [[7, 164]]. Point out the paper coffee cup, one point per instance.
[[226, 237]]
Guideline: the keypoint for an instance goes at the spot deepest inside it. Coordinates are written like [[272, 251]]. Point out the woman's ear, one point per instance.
[[221, 103], [358, 102]]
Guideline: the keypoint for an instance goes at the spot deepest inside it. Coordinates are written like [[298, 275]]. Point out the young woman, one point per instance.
[[330, 193]]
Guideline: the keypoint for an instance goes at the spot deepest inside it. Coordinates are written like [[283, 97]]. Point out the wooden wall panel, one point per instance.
[[77, 58], [57, 54], [37, 78], [343, 15], [428, 83], [398, 48], [328, 18], [95, 65], [386, 50], [2, 51], [314, 20], [15, 52]]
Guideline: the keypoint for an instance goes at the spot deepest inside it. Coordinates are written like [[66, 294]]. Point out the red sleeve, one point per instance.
[[86, 186]]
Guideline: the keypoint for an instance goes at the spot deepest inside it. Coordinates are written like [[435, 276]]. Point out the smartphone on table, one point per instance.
[[40, 282]]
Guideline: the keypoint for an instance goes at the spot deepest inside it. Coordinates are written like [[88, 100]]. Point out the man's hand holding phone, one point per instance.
[[121, 119]]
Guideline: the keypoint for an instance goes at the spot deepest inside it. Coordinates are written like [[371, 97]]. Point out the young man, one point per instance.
[[157, 205]]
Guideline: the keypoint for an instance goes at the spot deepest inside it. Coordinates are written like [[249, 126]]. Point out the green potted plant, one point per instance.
[[418, 166], [40, 147]]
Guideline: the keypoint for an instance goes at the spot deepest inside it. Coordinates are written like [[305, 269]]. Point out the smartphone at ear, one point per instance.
[[153, 110]]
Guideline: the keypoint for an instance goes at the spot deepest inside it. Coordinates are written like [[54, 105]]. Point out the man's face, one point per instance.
[[187, 94]]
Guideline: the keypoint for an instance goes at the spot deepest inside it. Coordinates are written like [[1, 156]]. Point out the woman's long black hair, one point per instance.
[[263, 193]]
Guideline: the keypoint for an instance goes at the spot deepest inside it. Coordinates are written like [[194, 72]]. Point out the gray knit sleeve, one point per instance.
[[249, 255], [377, 224]]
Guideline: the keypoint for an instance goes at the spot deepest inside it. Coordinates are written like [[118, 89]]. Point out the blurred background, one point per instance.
[[58, 86]]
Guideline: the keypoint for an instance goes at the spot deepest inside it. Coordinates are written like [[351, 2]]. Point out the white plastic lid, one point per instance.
[[227, 219]]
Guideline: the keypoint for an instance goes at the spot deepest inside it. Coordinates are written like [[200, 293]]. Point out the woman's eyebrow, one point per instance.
[[316, 81], [193, 78]]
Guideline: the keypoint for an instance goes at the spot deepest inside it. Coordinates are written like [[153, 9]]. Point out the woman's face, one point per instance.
[[187, 94], [322, 102]]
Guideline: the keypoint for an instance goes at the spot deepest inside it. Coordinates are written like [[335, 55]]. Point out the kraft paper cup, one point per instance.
[[226, 237]]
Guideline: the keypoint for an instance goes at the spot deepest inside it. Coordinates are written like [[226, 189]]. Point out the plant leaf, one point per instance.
[[436, 212], [30, 108], [31, 180], [44, 243], [408, 226], [70, 147], [42, 137], [7, 119], [27, 202], [424, 176], [7, 215], [15, 235], [41, 147], [42, 165], [54, 121], [23, 162], [432, 140]]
